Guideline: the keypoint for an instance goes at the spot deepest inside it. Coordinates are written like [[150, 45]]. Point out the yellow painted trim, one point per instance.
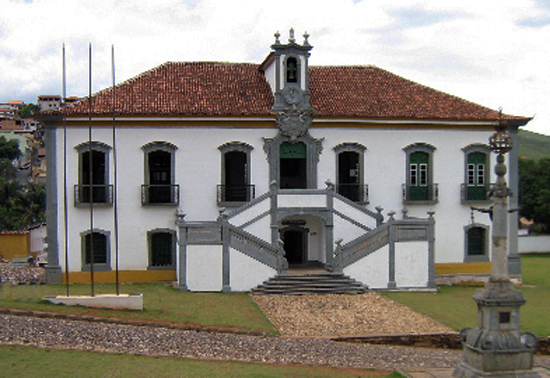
[[470, 267], [125, 276]]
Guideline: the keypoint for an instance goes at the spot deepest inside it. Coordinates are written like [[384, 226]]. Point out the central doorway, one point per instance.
[[295, 245]]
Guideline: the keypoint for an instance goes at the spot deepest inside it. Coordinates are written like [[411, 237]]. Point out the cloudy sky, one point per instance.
[[493, 52]]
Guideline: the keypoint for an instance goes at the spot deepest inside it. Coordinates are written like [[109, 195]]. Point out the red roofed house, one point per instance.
[[230, 174]]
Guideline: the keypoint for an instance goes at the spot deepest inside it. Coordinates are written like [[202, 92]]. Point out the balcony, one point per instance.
[[160, 195], [102, 195], [475, 193], [235, 195], [416, 194], [354, 192]]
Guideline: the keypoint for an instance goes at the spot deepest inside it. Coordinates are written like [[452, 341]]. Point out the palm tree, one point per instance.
[[30, 208]]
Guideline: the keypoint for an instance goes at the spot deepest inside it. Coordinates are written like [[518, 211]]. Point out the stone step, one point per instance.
[[316, 283]]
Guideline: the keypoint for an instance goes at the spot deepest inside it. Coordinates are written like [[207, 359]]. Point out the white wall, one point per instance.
[[198, 171], [247, 273], [373, 270], [204, 268], [532, 243], [411, 264]]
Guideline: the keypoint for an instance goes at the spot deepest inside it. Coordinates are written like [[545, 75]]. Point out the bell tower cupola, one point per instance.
[[291, 73]]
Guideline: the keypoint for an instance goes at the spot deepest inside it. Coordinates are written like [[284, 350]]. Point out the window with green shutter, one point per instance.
[[419, 176], [476, 179]]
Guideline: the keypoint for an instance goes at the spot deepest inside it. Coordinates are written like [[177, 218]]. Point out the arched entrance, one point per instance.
[[304, 241], [295, 245]]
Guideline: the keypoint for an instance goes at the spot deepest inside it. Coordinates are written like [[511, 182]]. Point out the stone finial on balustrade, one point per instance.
[[222, 215], [338, 256], [330, 185], [273, 186], [180, 216], [405, 212], [282, 262], [430, 214], [391, 214], [379, 216]]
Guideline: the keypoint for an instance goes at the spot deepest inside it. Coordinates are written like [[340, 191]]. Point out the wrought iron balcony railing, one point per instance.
[[420, 194], [101, 195], [354, 192], [475, 193], [160, 195], [235, 193]]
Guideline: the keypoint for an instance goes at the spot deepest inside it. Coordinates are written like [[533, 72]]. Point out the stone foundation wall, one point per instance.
[[18, 275]]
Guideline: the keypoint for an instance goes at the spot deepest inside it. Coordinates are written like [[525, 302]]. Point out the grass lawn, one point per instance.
[[161, 303], [454, 306], [24, 361]]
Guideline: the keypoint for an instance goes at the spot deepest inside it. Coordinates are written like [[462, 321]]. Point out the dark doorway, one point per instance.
[[160, 177], [348, 175], [293, 166], [235, 176], [295, 245]]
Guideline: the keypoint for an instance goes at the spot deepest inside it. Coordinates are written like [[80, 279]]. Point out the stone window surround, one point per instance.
[[94, 146], [150, 252], [419, 147], [476, 258], [159, 146], [235, 146], [477, 147], [314, 149], [351, 147], [101, 267]]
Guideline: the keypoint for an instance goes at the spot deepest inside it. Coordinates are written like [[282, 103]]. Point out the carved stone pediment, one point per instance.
[[293, 122]]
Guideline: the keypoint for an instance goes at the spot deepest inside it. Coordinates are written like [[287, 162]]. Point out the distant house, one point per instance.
[[30, 124], [227, 174], [7, 113], [49, 102]]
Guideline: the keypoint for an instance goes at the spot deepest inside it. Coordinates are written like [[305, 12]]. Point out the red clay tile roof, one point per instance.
[[187, 89], [240, 89]]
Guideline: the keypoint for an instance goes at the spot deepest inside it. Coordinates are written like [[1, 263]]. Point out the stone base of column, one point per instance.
[[466, 371], [53, 274]]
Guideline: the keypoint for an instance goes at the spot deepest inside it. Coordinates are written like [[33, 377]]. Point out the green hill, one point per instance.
[[533, 145]]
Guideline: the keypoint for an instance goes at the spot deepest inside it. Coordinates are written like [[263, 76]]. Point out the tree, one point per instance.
[[21, 206], [9, 151], [29, 110], [534, 191], [30, 207]]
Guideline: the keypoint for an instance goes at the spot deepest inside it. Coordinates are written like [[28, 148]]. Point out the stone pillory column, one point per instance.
[[497, 347]]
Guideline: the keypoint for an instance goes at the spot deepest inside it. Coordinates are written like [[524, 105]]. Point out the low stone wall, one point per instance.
[[439, 340], [18, 275], [534, 244]]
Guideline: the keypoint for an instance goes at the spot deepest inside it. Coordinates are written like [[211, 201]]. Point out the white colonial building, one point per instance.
[[224, 175]]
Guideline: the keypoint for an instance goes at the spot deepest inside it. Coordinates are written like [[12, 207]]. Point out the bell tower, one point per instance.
[[291, 73]]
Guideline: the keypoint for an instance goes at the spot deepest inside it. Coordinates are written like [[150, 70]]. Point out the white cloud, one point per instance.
[[495, 53]]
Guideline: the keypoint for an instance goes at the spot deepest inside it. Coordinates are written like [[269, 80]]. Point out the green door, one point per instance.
[[419, 176], [476, 176]]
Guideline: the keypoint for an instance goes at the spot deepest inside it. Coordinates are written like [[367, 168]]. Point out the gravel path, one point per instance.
[[112, 338], [344, 315]]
